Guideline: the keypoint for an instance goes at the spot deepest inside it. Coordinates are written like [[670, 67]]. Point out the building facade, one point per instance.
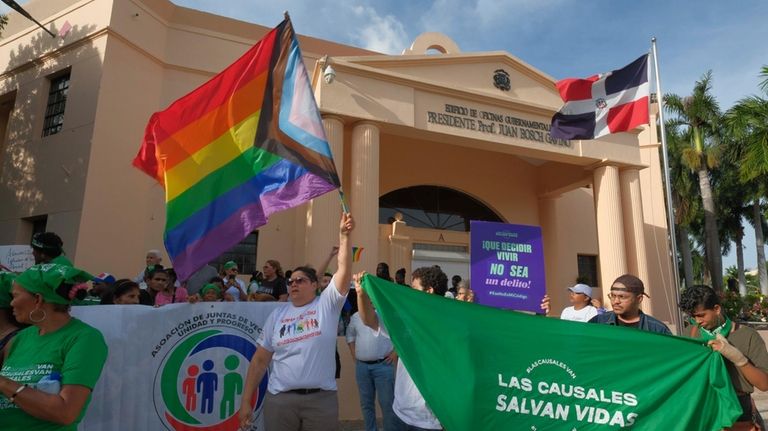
[[423, 141]]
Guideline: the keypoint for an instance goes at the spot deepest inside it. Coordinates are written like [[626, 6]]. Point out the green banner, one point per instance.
[[482, 368]]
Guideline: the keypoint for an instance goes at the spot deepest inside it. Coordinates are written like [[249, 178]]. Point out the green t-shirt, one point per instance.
[[76, 351], [62, 260]]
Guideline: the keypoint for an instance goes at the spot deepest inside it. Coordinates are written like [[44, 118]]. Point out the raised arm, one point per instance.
[[343, 274], [324, 266], [364, 306]]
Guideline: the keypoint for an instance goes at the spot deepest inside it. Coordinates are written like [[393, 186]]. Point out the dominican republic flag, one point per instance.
[[613, 102]]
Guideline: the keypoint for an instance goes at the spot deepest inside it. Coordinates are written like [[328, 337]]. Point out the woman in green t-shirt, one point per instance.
[[50, 368]]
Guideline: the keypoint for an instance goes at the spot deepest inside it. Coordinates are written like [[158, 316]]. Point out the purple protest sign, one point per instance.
[[507, 265]]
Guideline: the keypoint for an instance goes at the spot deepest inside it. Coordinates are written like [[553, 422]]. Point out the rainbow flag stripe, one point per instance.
[[246, 144], [357, 253]]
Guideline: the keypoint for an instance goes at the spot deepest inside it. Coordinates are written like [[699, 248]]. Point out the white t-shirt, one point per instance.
[[232, 290], [303, 343], [582, 315], [409, 405]]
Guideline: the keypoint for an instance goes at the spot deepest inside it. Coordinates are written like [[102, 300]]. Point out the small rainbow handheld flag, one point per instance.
[[241, 147], [357, 252]]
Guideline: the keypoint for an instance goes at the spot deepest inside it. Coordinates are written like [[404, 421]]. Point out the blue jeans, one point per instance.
[[372, 379]]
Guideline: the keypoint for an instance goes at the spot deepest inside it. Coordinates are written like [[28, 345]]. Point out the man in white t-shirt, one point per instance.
[[409, 404], [234, 287], [581, 309]]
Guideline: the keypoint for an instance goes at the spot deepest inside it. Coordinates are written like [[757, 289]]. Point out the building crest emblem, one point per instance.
[[501, 80]]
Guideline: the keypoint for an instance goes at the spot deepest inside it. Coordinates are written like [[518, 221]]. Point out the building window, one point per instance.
[[587, 269], [244, 254], [57, 100], [434, 207]]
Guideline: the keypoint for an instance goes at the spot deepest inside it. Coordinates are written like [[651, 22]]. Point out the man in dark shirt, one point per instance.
[[626, 296]]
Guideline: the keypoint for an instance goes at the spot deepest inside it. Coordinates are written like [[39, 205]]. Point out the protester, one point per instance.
[[209, 293], [409, 404], [99, 287], [235, 288], [123, 292], [454, 289], [171, 294], [256, 278], [47, 247], [400, 277], [153, 258], [382, 271], [157, 281], [463, 292], [273, 283], [742, 346], [71, 353], [626, 296], [581, 309], [298, 341], [374, 371], [9, 326]]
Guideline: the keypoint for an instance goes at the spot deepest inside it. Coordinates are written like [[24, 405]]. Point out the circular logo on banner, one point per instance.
[[200, 382]]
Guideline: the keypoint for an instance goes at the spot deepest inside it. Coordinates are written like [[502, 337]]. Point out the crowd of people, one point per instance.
[[50, 361]]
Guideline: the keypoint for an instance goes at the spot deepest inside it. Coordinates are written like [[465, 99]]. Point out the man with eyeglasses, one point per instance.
[[626, 296]]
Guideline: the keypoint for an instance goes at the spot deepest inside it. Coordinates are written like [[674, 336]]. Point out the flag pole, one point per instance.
[[670, 206]]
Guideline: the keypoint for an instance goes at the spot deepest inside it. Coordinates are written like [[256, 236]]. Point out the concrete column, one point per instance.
[[324, 212], [364, 194], [634, 229], [610, 227]]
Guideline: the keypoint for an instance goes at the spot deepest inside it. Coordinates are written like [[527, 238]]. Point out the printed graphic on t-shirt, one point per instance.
[[297, 328], [24, 375]]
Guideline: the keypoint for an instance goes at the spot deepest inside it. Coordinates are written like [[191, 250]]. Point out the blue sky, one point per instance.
[[563, 38]]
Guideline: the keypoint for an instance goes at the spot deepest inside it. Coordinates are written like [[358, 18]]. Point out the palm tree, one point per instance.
[[684, 199], [732, 197], [698, 115], [748, 120]]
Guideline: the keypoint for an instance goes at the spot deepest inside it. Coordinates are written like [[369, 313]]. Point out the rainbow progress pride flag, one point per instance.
[[244, 145]]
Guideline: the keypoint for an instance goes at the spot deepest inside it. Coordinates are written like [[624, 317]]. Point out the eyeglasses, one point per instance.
[[621, 298], [297, 280]]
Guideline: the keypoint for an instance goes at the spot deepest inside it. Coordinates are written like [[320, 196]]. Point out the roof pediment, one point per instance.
[[484, 73]]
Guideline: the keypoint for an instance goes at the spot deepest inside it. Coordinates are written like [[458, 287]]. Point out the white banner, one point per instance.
[[180, 367], [16, 258]]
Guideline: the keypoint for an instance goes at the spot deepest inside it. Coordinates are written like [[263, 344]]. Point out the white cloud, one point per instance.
[[382, 33]]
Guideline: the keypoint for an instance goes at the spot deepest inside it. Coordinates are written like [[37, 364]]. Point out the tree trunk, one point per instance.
[[757, 220], [685, 254], [711, 235], [740, 262]]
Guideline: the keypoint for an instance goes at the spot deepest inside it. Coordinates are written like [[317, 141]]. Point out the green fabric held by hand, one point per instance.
[[45, 278], [483, 368]]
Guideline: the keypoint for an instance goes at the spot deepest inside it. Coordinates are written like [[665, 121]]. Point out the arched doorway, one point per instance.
[[435, 229], [434, 207]]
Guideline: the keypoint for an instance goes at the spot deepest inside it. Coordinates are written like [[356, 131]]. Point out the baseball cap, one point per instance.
[[581, 288], [631, 284], [104, 277], [231, 264]]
